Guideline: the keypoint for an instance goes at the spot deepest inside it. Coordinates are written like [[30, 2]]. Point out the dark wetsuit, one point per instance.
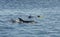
[[25, 21]]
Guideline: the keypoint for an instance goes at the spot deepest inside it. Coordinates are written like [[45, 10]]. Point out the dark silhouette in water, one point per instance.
[[19, 20], [25, 21]]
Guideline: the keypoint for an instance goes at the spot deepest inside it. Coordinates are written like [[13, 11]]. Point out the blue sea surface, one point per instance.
[[48, 24]]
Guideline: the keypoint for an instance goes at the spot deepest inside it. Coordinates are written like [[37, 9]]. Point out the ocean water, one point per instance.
[[48, 24]]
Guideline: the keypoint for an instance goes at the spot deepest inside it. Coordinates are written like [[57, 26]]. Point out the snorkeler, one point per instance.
[[19, 20]]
